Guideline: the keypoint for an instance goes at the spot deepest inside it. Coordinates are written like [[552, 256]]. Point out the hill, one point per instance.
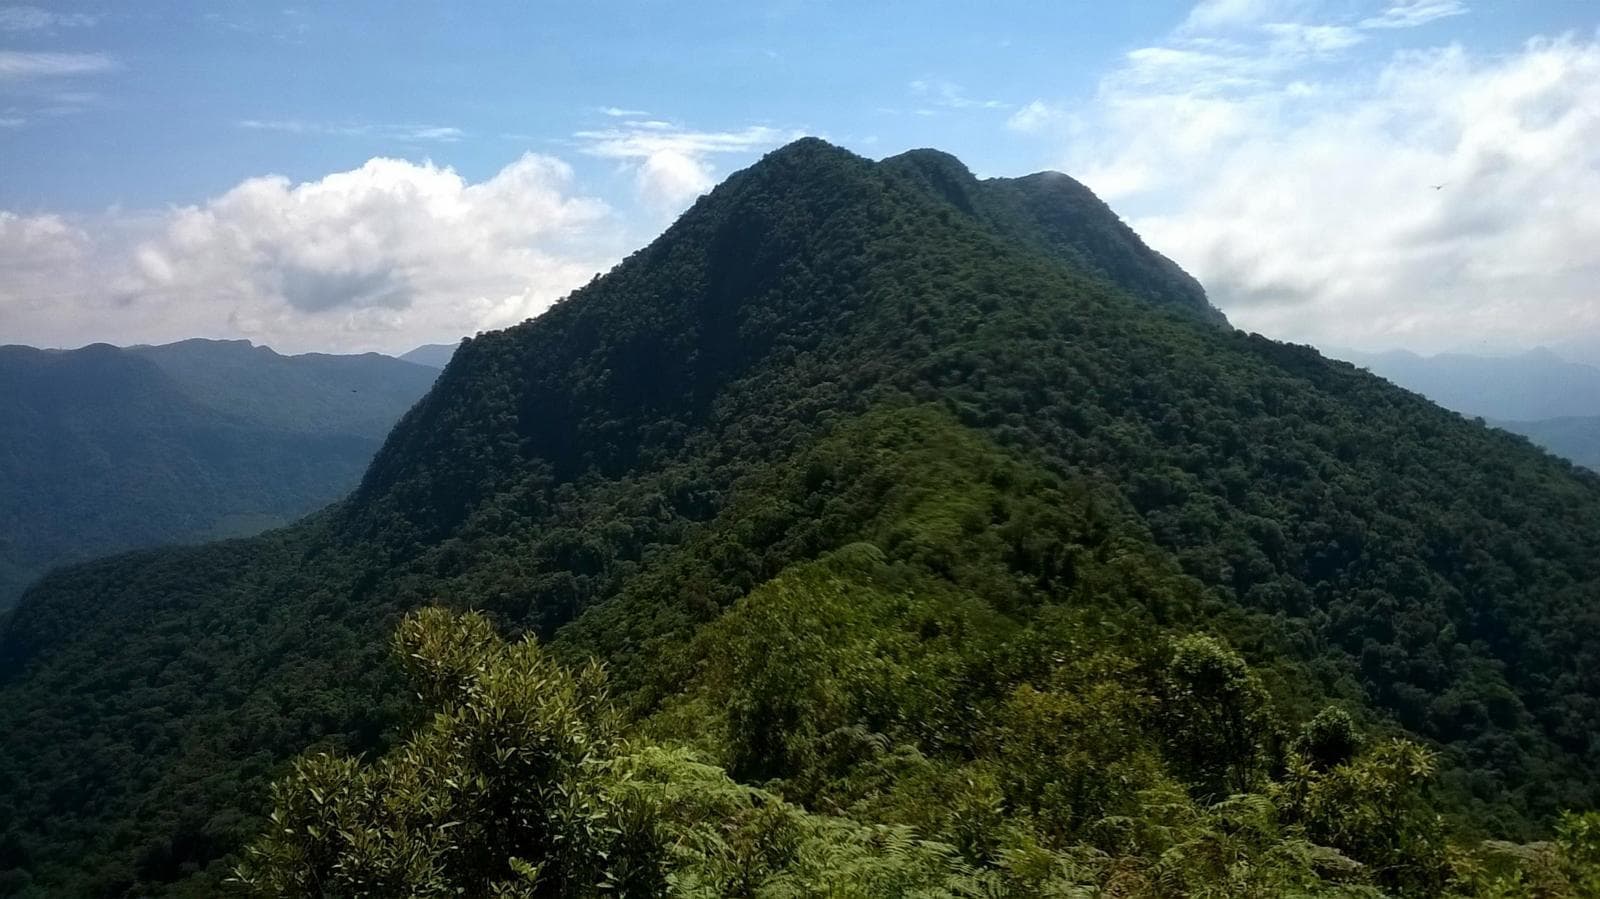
[[1577, 439], [1525, 387], [108, 449], [433, 355], [312, 393], [930, 549], [1538, 394]]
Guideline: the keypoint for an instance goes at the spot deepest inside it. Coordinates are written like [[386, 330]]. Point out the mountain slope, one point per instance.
[[1530, 386], [1052, 212], [745, 397], [310, 393], [106, 449], [1577, 439], [433, 355]]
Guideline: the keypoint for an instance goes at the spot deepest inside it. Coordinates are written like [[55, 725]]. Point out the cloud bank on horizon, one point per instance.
[[1341, 174]]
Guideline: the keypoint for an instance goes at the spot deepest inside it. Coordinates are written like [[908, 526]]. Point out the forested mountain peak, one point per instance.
[[748, 271], [936, 539], [1062, 217]]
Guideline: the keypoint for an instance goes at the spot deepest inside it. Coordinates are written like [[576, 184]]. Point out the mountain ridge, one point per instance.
[[716, 425], [433, 355], [1532, 386], [109, 449]]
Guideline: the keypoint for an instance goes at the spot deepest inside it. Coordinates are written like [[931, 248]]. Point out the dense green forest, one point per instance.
[[105, 449], [876, 531]]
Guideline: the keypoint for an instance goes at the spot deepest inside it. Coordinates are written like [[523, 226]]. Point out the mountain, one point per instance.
[[1538, 394], [932, 543], [1059, 216], [1534, 385], [108, 449], [1577, 439], [311, 392], [433, 355]]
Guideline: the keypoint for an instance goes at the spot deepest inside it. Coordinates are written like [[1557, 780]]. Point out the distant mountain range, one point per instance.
[[104, 449], [1530, 386], [1577, 439], [1540, 394], [433, 355]]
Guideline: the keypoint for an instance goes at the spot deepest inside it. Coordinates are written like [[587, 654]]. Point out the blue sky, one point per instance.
[[372, 175], [477, 84]]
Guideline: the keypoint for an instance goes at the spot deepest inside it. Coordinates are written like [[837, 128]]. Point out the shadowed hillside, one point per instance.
[[108, 449]]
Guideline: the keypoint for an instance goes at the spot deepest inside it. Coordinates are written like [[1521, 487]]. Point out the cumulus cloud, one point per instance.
[[1430, 198], [36, 253], [672, 166], [386, 256], [1035, 117]]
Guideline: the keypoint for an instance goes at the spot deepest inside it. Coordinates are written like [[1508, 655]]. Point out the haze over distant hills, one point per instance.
[[1546, 397], [1577, 439], [104, 449], [1527, 386], [938, 538], [434, 355]]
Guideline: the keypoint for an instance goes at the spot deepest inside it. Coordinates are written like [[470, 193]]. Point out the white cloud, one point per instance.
[[1295, 40], [667, 178], [442, 133], [412, 133], [16, 65], [1302, 194], [617, 112], [1035, 117], [1214, 15], [672, 166], [1411, 13], [385, 256], [950, 95], [32, 18]]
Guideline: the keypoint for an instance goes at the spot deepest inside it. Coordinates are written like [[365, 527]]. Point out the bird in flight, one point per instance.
[[1437, 186]]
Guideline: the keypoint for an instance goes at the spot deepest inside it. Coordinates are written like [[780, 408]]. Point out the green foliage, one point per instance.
[[1578, 848], [1215, 717], [1329, 739], [491, 798], [1374, 808], [1012, 520], [518, 788]]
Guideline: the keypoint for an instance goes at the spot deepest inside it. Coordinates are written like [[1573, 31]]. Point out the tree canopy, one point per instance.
[[889, 516]]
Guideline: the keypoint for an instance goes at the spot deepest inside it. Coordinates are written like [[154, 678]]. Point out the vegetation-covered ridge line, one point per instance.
[[107, 449], [1010, 478]]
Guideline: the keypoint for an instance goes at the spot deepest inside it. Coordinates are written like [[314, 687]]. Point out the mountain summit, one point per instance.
[[942, 514]]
